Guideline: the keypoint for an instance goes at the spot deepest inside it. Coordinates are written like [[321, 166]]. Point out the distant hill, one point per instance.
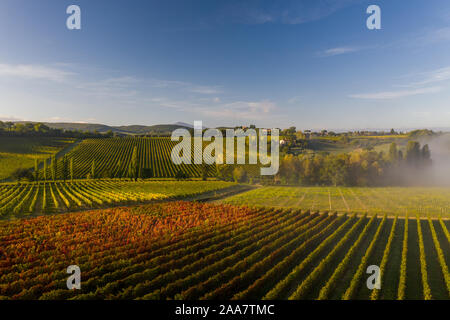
[[79, 126], [159, 129], [184, 124]]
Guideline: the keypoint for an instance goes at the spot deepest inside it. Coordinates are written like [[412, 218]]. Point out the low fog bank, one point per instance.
[[438, 174], [440, 154]]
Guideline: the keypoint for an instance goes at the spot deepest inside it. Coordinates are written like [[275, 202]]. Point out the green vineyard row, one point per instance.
[[22, 199], [111, 158]]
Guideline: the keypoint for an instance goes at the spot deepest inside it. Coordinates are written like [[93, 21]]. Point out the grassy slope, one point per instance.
[[20, 152], [424, 201]]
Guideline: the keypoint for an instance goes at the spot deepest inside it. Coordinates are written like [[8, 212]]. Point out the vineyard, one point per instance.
[[188, 250], [22, 199], [112, 157], [393, 200]]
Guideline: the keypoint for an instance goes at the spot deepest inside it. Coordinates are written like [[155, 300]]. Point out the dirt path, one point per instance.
[[299, 202], [343, 199], [359, 200], [329, 199]]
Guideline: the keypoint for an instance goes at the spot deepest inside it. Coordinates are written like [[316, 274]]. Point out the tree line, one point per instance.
[[356, 168], [20, 129]]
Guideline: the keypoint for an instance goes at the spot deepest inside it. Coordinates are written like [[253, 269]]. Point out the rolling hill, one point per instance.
[[159, 129]]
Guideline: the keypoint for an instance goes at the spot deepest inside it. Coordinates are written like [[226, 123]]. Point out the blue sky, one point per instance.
[[308, 63]]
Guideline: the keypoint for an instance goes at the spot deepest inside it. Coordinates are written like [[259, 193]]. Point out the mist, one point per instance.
[[434, 174], [439, 172]]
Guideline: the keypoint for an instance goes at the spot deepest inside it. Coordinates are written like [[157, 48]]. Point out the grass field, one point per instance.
[[392, 200], [20, 152], [24, 199], [188, 250]]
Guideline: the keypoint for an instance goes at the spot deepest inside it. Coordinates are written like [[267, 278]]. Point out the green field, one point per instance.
[[392, 200], [18, 200], [334, 145], [20, 152]]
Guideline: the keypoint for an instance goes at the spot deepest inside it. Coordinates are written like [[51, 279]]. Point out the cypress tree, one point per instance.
[[93, 169], [134, 165], [119, 171], [393, 153], [36, 172], [54, 168], [426, 155], [413, 153], [64, 168], [45, 169], [71, 169]]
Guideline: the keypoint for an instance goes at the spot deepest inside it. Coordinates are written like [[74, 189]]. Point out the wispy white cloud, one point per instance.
[[442, 34], [118, 87], [187, 86], [159, 83], [294, 100], [338, 51], [439, 75], [285, 12], [428, 37], [30, 71], [249, 110], [232, 110], [395, 94], [204, 89], [66, 119], [9, 118]]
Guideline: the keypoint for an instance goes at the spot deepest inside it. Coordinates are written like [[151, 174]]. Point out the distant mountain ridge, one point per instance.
[[158, 129], [167, 129]]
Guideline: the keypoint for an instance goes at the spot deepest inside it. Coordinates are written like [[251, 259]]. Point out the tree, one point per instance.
[[426, 154], [71, 169], [45, 169], [9, 125], [36, 171], [413, 153], [393, 153], [239, 174], [344, 139], [93, 169], [180, 175], [54, 167], [65, 169], [134, 165], [224, 172], [23, 174], [338, 171], [147, 173], [204, 172], [118, 173]]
